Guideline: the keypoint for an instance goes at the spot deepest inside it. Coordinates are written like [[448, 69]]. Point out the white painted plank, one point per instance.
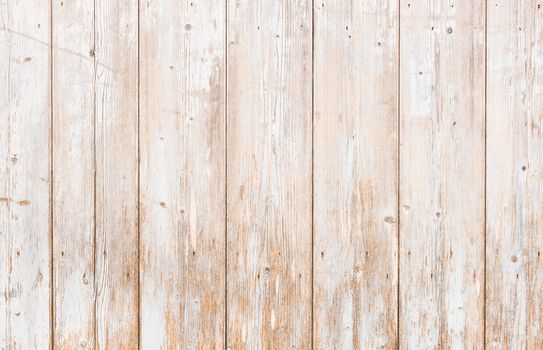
[[269, 174], [514, 305], [73, 174], [116, 140], [442, 171], [182, 71], [356, 174], [25, 115]]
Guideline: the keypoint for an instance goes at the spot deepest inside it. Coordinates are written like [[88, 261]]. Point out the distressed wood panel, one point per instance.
[[269, 174], [116, 184], [73, 174], [25, 115], [442, 171], [514, 305], [277, 185], [182, 192], [356, 174]]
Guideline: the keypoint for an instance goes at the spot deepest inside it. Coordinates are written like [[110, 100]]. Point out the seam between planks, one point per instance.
[[94, 161], [9, 234], [312, 332], [225, 174], [138, 312], [398, 179], [51, 174], [485, 178]]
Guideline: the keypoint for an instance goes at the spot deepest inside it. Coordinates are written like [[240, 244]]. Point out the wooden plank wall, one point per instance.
[[254, 174]]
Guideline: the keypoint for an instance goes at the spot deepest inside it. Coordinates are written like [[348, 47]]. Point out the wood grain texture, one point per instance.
[[25, 114], [116, 184], [442, 168], [356, 174], [182, 209], [73, 174], [514, 308], [269, 174], [258, 174]]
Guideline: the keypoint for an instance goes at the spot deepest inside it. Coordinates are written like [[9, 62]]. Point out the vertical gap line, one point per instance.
[[398, 179], [138, 156], [95, 294], [51, 187], [485, 179], [312, 171], [225, 174], [8, 175]]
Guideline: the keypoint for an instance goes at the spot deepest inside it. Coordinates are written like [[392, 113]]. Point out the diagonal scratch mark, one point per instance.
[[90, 59]]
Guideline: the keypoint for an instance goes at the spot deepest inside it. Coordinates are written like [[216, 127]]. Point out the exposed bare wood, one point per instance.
[[116, 186], [73, 174], [280, 174], [25, 115], [442, 171], [269, 174], [182, 190], [514, 316], [356, 174]]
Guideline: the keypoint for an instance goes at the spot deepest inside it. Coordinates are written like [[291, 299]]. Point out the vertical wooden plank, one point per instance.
[[515, 175], [442, 168], [25, 116], [269, 174], [182, 174], [356, 174], [73, 174], [116, 139]]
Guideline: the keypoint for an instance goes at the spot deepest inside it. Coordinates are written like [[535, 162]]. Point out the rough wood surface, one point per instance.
[[116, 183], [514, 312], [442, 171], [231, 174], [356, 174], [182, 191], [269, 174], [25, 115], [73, 174]]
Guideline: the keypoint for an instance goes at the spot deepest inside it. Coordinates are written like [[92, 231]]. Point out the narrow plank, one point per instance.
[[116, 139], [269, 174], [442, 171], [356, 174], [73, 174], [514, 306], [182, 191], [25, 118]]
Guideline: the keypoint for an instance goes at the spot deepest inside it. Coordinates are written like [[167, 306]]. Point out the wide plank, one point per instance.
[[356, 174], [442, 172], [514, 305], [269, 174], [182, 174]]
